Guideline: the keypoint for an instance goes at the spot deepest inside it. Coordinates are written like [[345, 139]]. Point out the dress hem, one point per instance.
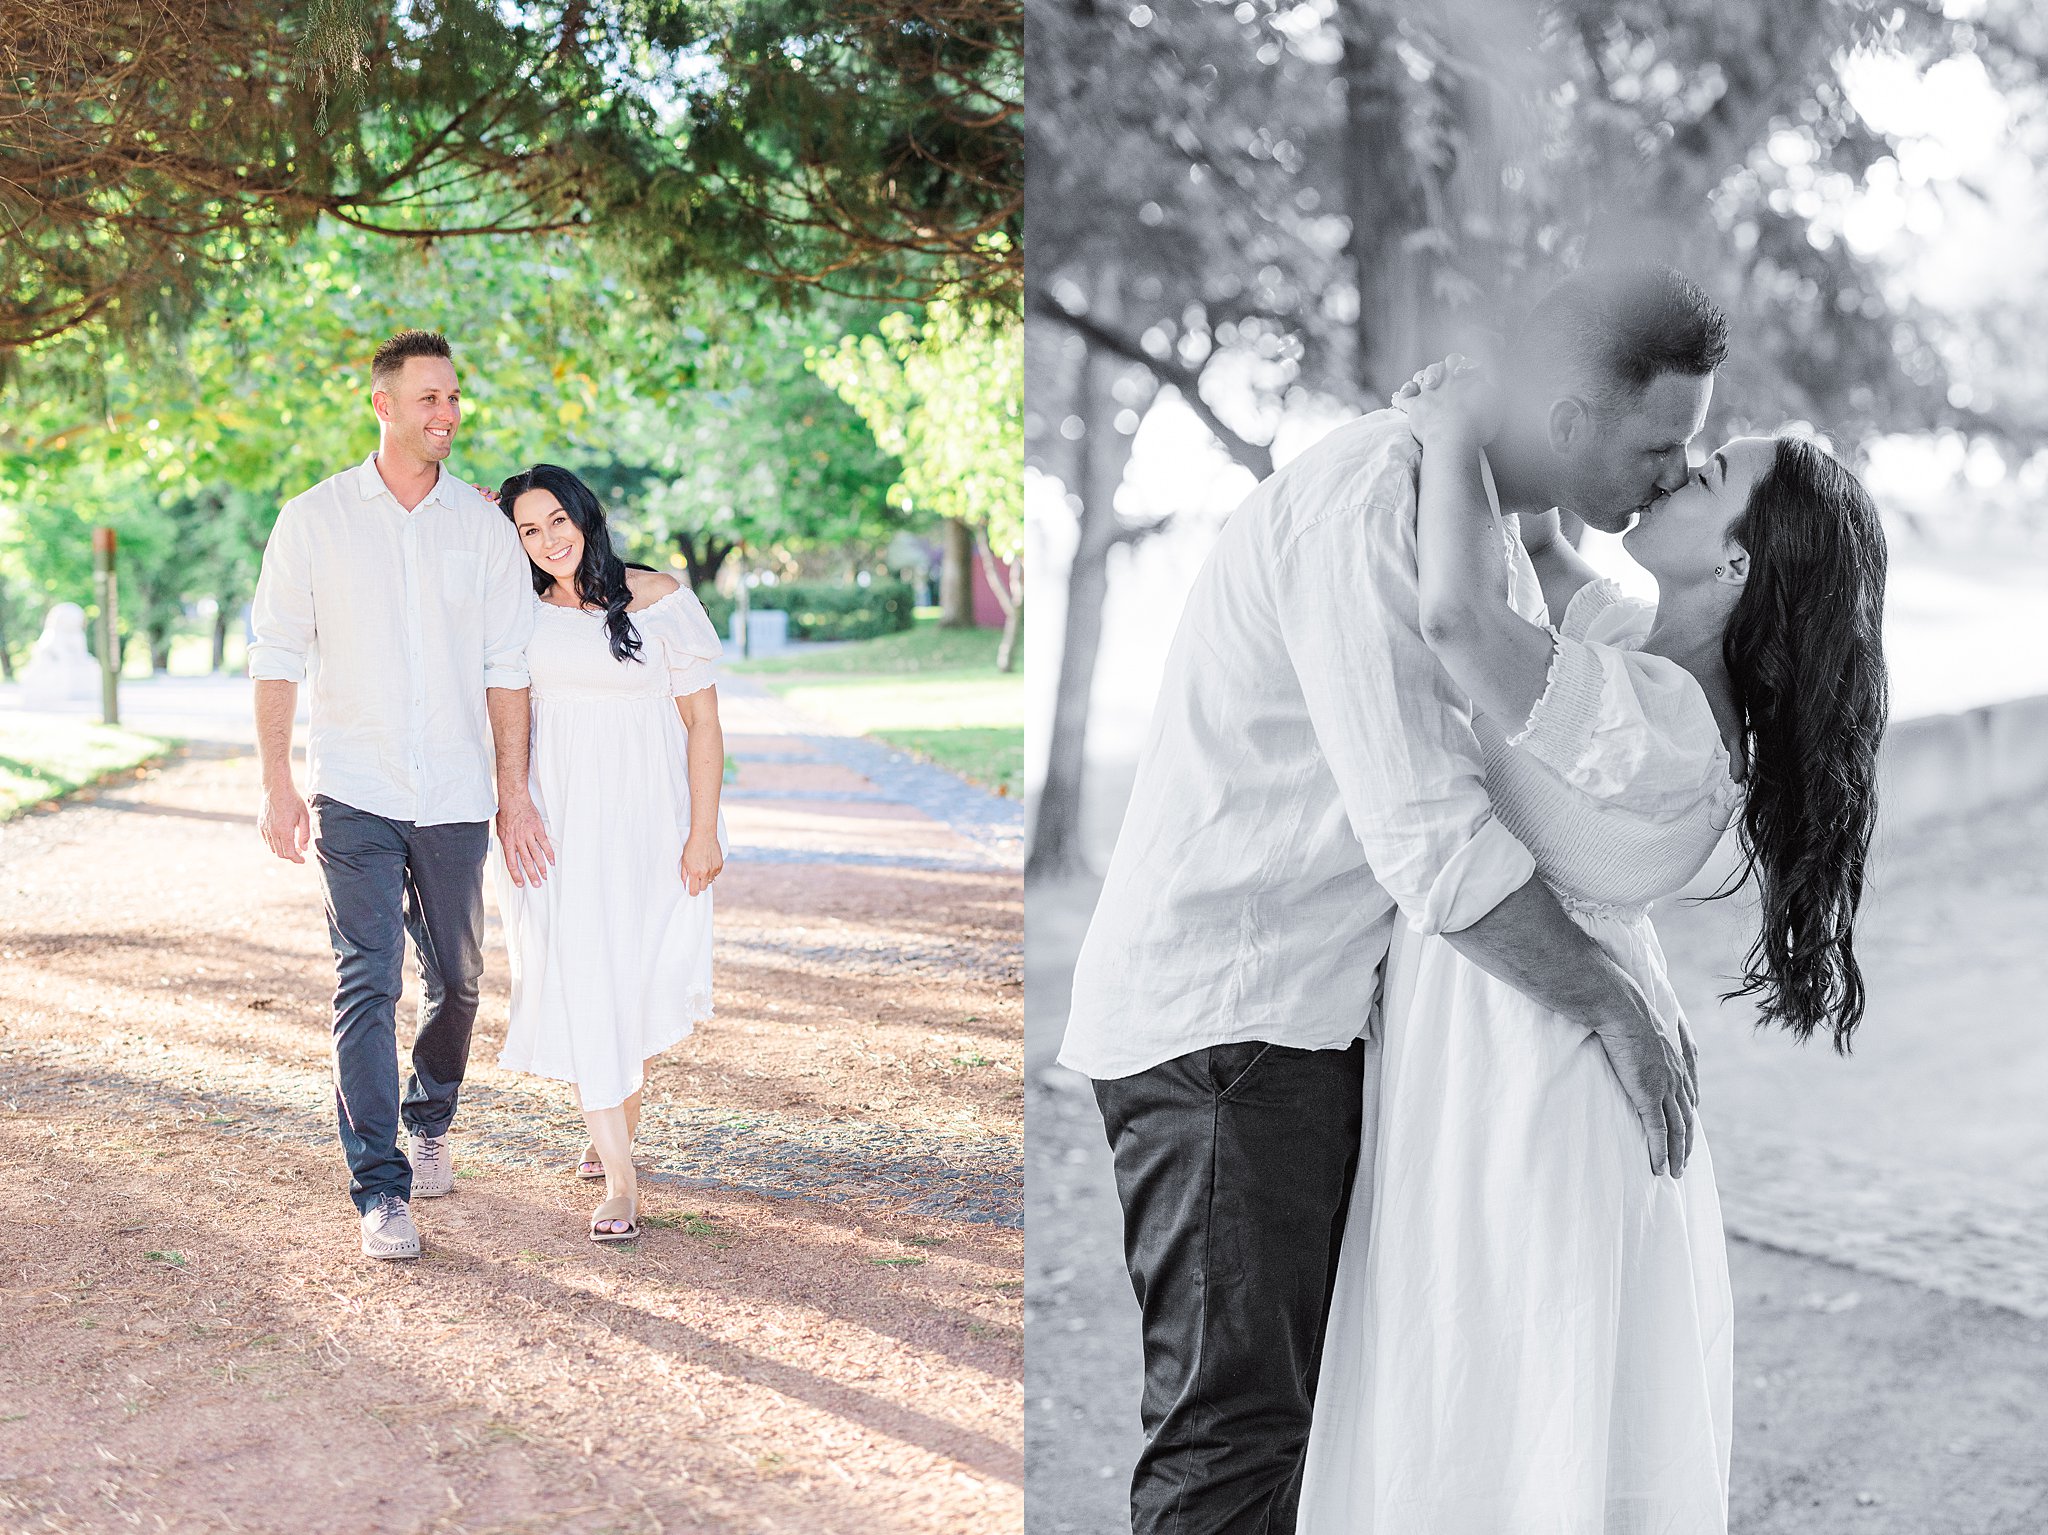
[[697, 1014]]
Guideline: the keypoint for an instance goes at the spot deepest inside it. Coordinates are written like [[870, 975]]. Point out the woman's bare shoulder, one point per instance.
[[649, 586]]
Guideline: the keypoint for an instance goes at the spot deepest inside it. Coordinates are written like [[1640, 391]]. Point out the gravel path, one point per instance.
[[821, 1329]]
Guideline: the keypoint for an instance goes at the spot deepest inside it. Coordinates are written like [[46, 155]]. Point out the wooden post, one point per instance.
[[107, 595], [743, 607]]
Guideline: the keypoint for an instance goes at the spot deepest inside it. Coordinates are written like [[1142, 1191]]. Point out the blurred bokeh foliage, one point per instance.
[[1259, 204]]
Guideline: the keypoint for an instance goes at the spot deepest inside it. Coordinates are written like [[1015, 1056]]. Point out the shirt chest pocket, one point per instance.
[[462, 576]]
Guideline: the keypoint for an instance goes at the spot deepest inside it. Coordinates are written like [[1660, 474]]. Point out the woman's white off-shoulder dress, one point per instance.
[[1530, 1332], [610, 957]]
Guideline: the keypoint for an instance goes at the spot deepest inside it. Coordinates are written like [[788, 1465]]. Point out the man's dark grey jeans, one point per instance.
[[384, 879], [1234, 1167]]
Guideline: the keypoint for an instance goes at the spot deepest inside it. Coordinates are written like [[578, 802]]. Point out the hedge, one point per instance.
[[821, 611]]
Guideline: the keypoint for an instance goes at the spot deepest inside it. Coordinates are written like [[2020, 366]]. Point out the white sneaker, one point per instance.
[[388, 1231], [433, 1165]]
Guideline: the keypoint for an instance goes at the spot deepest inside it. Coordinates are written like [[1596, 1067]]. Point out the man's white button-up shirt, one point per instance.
[[401, 620], [1311, 770]]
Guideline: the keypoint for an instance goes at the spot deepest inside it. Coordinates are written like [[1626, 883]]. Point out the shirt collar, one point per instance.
[[370, 484], [1485, 476]]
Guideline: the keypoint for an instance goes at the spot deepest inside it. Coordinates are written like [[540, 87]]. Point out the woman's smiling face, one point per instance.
[[548, 534], [1683, 537]]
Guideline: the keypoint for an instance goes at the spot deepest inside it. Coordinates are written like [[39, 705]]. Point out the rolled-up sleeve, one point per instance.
[[508, 612], [281, 617], [1393, 728]]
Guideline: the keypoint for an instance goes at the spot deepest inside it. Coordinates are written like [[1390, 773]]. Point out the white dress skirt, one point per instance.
[[1531, 1333], [610, 956]]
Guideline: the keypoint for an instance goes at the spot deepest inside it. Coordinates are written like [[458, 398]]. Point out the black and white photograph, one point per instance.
[[1536, 751]]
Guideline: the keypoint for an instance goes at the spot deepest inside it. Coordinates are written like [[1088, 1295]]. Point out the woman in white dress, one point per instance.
[[1530, 1330], [611, 950]]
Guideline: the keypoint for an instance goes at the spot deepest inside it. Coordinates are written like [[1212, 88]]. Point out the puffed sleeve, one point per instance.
[[1612, 719], [689, 642]]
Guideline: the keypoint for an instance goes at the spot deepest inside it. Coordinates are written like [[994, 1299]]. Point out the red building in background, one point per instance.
[[988, 609]]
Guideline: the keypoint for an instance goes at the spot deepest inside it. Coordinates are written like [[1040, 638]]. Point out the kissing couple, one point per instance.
[[470, 660], [1403, 1109]]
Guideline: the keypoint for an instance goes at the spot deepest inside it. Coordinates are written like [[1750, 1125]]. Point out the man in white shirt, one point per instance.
[[1311, 775], [404, 594]]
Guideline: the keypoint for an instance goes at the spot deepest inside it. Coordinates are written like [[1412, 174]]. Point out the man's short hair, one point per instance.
[[390, 359], [1614, 331]]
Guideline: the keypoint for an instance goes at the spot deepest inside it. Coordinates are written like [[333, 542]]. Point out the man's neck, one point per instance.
[[1520, 489], [408, 479]]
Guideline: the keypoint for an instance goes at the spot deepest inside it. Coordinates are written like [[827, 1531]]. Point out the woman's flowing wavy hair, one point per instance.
[[601, 574], [1804, 649]]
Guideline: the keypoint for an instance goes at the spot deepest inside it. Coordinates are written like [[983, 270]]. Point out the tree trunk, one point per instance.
[[1099, 460], [1379, 199], [956, 577], [222, 608], [1013, 631], [1007, 582], [701, 564], [6, 654]]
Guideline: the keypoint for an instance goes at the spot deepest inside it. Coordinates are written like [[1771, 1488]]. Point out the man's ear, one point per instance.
[[380, 402], [1569, 423]]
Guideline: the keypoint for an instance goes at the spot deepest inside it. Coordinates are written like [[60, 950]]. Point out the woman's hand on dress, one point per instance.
[[1455, 398], [701, 861]]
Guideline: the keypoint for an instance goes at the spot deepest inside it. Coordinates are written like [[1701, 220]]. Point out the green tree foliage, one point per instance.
[[862, 147], [154, 147], [762, 457], [695, 417], [944, 394]]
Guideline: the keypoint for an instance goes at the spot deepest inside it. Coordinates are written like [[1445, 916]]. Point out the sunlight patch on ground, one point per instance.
[[43, 756]]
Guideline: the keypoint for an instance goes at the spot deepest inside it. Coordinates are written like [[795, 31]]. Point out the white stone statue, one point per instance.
[[60, 670]]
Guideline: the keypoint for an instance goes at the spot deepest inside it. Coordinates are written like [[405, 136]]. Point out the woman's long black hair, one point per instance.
[[601, 574], [1805, 652]]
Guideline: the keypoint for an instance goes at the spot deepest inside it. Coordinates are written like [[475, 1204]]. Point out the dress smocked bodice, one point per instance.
[[571, 657], [1618, 784]]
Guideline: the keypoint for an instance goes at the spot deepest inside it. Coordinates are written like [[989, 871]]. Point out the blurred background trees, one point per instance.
[[633, 218], [946, 396], [1266, 215]]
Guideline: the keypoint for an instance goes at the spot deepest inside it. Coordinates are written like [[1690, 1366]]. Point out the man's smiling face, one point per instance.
[[421, 408]]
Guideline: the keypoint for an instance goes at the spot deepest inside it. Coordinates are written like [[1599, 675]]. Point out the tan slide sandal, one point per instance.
[[619, 1209]]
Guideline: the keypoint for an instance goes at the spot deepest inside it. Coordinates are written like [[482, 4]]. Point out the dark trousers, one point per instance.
[[1234, 1166], [384, 879]]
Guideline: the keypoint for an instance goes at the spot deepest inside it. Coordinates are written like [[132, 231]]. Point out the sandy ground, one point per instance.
[[820, 1330], [1888, 1215]]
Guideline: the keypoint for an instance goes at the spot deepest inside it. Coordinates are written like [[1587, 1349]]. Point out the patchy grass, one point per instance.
[[44, 757], [925, 648], [681, 1220], [933, 692]]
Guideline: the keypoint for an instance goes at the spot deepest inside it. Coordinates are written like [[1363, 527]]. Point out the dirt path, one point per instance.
[[821, 1330]]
